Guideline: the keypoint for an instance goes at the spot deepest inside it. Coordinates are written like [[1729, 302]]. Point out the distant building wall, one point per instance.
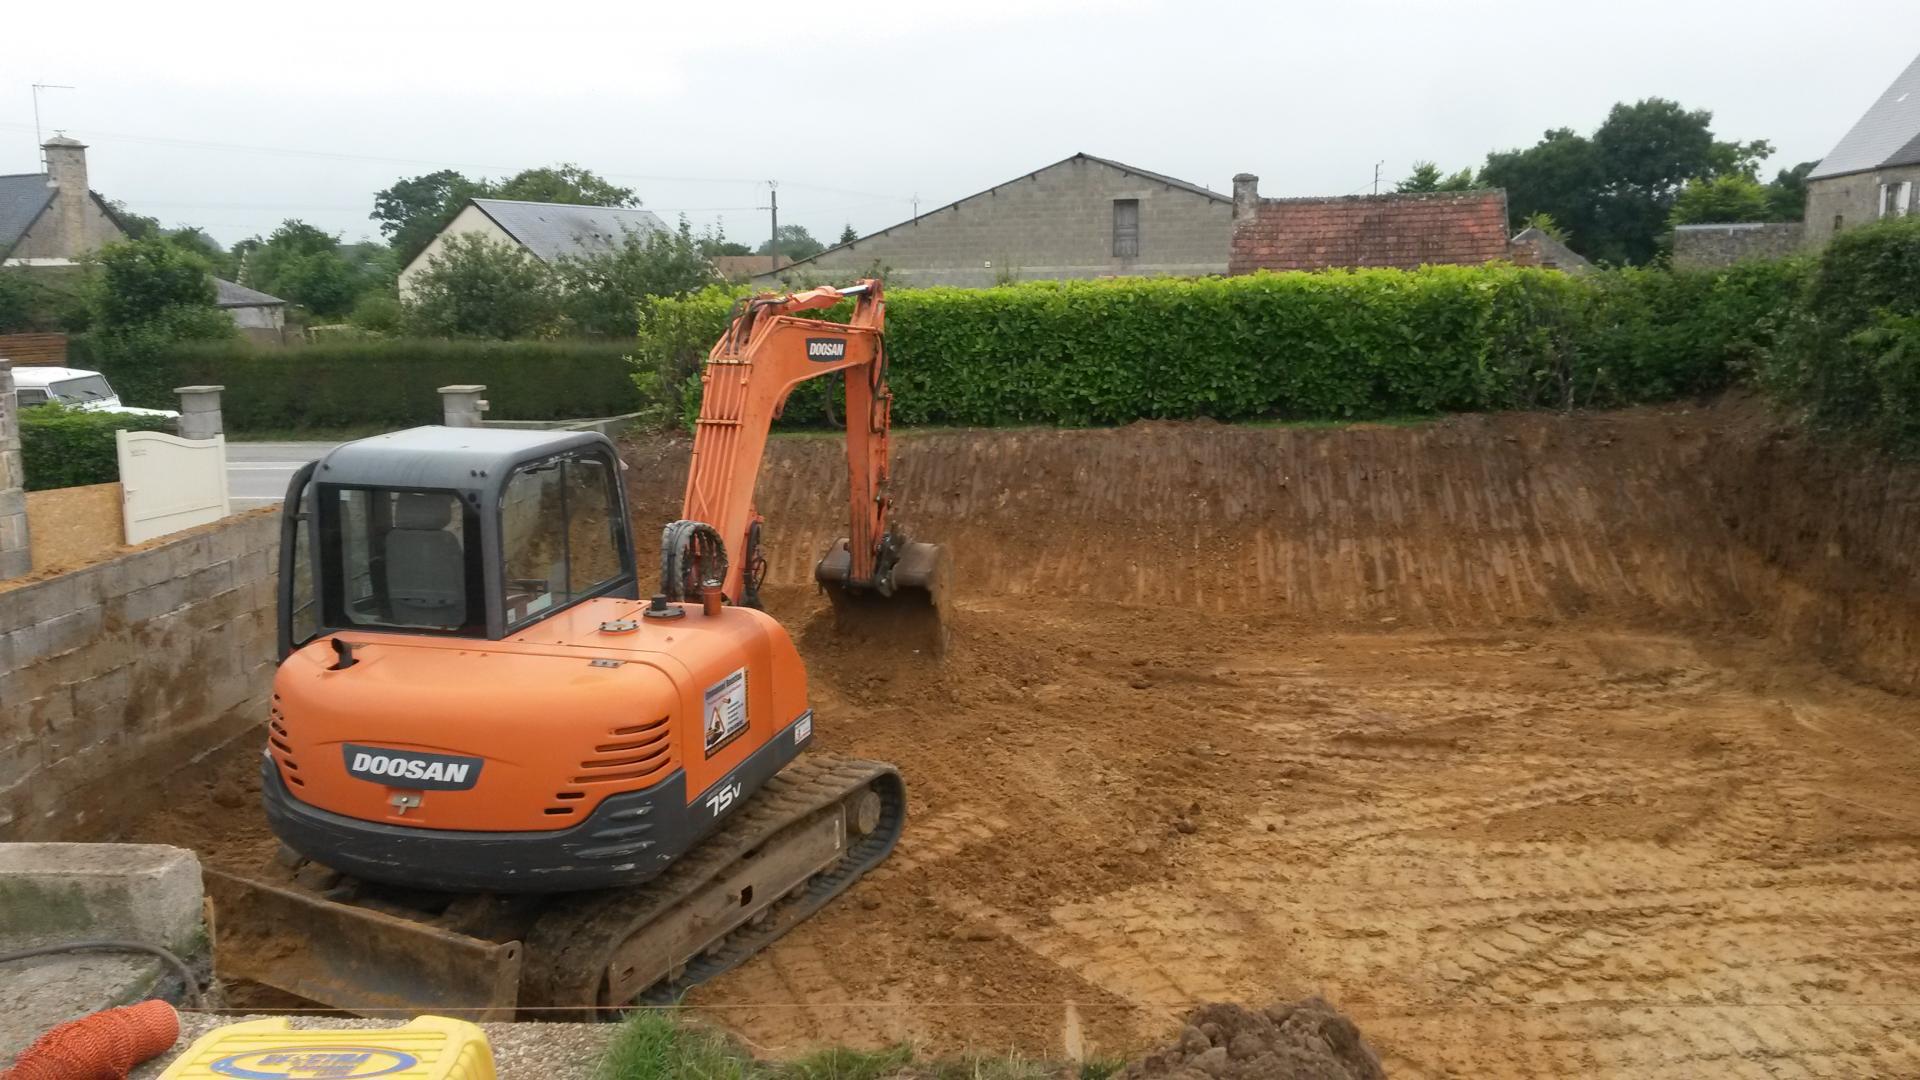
[[1697, 246], [1403, 231], [1059, 222], [470, 220], [1838, 203]]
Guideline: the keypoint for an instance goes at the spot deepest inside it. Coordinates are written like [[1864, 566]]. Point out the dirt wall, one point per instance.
[[1705, 516]]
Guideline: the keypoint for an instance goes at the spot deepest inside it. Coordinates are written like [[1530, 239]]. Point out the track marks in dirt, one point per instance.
[[1546, 852]]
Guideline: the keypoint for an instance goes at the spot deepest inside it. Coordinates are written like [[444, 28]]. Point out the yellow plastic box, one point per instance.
[[428, 1048]]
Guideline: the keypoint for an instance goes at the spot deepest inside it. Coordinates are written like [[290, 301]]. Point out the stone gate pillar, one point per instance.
[[462, 405], [16, 556]]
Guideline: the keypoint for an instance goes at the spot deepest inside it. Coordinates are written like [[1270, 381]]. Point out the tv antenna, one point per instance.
[[37, 87]]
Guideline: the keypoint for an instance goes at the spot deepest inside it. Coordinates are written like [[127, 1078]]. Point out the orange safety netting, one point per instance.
[[104, 1046]]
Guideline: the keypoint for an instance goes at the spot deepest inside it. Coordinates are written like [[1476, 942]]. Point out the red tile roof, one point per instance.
[[1403, 231]]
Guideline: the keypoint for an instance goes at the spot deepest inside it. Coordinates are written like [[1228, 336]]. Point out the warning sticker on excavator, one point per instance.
[[726, 710]]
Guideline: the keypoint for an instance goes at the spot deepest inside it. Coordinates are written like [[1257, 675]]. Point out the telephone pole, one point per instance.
[[1376, 175], [773, 210]]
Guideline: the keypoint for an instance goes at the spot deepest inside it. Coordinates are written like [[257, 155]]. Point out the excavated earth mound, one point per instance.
[[1308, 1040]]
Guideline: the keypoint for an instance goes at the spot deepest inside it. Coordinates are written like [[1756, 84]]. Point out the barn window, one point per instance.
[[1896, 198], [1126, 228]]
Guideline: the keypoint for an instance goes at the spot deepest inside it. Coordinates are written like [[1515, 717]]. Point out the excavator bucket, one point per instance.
[[911, 609]]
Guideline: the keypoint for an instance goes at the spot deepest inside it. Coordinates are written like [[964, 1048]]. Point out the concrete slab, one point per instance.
[[51, 893], [520, 1051], [41, 994]]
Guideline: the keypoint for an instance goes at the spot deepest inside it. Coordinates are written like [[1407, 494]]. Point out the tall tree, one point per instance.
[[1724, 198], [414, 209], [796, 243], [1426, 176], [302, 264], [565, 183], [847, 235], [1647, 151], [1614, 192], [149, 292], [1787, 194]]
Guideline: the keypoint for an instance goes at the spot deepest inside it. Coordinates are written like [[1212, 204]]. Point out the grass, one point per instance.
[[656, 1044]]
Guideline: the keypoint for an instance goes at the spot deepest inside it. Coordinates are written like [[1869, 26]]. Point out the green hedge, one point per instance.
[[382, 381], [1340, 344], [67, 447], [1851, 359]]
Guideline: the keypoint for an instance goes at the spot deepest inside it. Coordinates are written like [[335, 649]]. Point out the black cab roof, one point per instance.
[[447, 458]]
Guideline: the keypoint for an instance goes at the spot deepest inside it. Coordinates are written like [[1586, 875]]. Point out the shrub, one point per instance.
[[1849, 359], [373, 381], [480, 288], [1339, 344], [61, 447]]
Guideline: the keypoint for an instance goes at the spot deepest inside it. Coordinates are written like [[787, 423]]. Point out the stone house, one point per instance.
[[547, 231], [1083, 217], [1872, 172], [1402, 231], [52, 218]]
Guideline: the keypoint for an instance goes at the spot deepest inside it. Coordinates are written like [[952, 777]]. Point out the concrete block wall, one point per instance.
[[1699, 246], [1056, 223], [116, 676]]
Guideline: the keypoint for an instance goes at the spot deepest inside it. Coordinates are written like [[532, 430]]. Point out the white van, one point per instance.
[[75, 388]]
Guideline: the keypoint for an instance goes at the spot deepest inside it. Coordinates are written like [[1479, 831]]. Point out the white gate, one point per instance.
[[169, 483]]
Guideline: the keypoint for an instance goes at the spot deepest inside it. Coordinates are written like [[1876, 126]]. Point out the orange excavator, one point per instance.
[[506, 784]]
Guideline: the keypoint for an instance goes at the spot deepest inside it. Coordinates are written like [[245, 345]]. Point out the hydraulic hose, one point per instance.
[[178, 965]]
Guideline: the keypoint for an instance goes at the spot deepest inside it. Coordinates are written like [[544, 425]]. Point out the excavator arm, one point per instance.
[[767, 351]]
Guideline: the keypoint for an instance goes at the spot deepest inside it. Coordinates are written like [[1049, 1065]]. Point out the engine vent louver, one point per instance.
[[629, 757], [280, 745]]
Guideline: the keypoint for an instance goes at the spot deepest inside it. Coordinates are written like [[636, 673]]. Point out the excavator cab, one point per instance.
[[454, 532]]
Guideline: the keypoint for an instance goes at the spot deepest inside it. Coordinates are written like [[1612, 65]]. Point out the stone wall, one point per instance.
[[1843, 202], [1698, 246], [114, 677], [1055, 223]]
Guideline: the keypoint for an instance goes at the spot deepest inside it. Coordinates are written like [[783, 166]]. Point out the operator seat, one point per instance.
[[426, 566]]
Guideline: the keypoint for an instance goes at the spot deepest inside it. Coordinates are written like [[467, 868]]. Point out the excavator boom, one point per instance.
[[767, 351]]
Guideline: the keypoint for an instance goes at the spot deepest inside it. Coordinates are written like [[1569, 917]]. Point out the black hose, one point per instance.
[[179, 966]]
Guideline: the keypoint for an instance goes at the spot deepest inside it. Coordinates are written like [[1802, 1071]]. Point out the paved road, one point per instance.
[[257, 472]]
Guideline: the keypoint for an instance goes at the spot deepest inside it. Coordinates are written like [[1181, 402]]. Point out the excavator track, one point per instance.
[[574, 950], [805, 837]]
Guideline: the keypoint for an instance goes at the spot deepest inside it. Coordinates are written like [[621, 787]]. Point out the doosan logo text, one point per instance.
[[826, 348], [426, 772]]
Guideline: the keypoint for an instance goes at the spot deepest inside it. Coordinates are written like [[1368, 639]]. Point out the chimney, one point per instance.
[[67, 174], [1246, 194]]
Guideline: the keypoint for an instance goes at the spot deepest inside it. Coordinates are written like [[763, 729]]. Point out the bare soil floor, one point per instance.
[[1541, 747]]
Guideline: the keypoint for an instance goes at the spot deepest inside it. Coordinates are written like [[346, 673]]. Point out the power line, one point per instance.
[[332, 155]]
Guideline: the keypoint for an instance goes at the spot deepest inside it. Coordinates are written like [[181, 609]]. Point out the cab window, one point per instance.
[[27, 396], [400, 560], [561, 536]]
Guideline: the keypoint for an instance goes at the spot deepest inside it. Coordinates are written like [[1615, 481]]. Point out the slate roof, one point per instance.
[[553, 230], [22, 197], [1889, 133], [1402, 230], [231, 295]]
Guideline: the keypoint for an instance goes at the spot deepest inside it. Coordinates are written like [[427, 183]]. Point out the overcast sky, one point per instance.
[[233, 118]]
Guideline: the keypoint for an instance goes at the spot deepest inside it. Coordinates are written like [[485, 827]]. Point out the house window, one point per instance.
[[1126, 228], [1896, 198]]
